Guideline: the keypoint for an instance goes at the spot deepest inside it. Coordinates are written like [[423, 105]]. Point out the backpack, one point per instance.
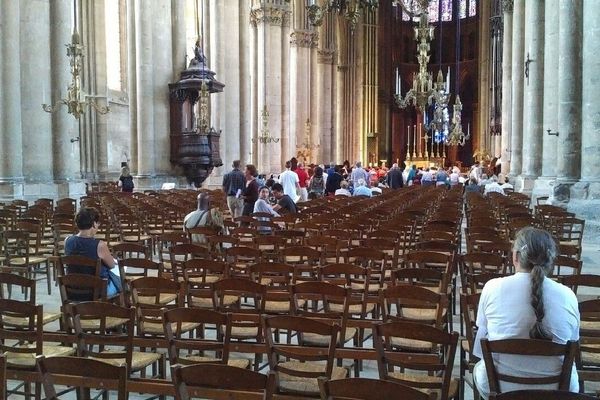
[[127, 183], [316, 185]]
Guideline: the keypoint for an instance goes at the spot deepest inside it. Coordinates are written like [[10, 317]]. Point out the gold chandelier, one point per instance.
[[76, 101]]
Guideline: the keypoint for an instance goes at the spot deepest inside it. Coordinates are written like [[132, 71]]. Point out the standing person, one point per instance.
[[394, 177], [454, 176], [442, 178], [285, 205], [412, 174], [204, 215], [527, 305], [302, 181], [290, 182], [250, 192], [359, 173], [316, 187], [234, 183], [427, 177], [333, 181], [126, 180], [85, 244]]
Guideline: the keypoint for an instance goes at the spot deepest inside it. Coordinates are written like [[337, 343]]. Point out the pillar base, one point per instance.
[[543, 187], [146, 182], [524, 183]]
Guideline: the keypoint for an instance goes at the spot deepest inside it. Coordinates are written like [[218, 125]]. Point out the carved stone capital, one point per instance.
[[507, 6], [325, 56], [308, 39], [275, 16]]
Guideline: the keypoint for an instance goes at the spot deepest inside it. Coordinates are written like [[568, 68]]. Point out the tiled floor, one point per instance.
[[591, 265]]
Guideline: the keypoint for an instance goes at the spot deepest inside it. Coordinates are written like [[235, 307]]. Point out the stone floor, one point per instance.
[[591, 265]]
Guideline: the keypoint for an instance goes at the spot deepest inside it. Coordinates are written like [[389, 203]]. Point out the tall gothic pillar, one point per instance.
[[64, 126], [507, 8], [590, 115], [568, 168], [132, 83], [11, 168], [481, 139], [516, 125], [534, 92], [550, 119]]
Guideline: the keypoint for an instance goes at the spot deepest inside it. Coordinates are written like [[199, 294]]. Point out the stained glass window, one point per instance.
[[434, 7], [446, 10], [472, 8]]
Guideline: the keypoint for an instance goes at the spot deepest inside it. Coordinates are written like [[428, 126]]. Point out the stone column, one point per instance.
[[11, 168], [534, 93], [178, 38], [516, 126], [550, 89], [245, 84], [325, 104], [568, 168], [64, 126], [132, 82], [590, 114], [34, 78], [483, 121]]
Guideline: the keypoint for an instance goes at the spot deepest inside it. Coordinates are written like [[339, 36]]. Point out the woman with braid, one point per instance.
[[526, 305]]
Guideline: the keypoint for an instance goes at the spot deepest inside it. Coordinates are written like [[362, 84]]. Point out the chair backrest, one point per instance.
[[20, 356], [2, 377], [174, 322], [414, 304], [300, 325], [25, 284], [81, 372], [79, 265], [150, 295], [438, 362], [203, 380], [81, 287], [95, 324], [540, 394], [528, 348], [368, 389]]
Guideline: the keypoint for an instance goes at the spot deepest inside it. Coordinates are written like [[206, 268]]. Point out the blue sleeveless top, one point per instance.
[[83, 246]]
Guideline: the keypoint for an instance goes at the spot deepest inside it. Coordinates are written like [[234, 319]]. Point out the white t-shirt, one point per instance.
[[505, 312], [289, 180]]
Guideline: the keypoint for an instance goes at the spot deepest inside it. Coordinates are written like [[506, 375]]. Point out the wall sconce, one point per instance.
[[551, 133]]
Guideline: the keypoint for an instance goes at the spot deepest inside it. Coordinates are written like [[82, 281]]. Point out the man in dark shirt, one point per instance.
[[334, 179], [234, 182], [394, 177], [285, 204]]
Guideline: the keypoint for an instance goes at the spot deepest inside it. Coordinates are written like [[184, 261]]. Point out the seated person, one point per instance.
[[285, 204], [343, 190], [204, 215], [361, 189], [85, 244], [262, 205], [527, 305]]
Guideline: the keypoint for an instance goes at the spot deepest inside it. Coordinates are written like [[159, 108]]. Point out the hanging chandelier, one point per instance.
[[76, 101], [265, 136], [349, 9]]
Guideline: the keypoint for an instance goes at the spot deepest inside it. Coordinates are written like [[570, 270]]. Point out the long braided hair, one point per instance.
[[536, 251]]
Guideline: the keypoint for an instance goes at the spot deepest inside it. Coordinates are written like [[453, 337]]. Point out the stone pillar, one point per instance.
[[324, 104], [178, 38], [11, 168], [64, 126], [550, 120], [534, 93], [245, 84], [34, 78], [482, 122], [132, 83], [568, 168], [516, 126]]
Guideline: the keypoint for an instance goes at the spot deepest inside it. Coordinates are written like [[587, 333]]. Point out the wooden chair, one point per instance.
[[193, 350], [94, 326], [588, 283], [540, 394], [368, 389], [164, 243], [277, 277], [431, 372], [588, 357], [246, 323], [81, 373], [180, 253], [213, 381], [3, 382], [468, 306], [528, 348], [240, 258], [569, 266], [302, 366], [199, 276]]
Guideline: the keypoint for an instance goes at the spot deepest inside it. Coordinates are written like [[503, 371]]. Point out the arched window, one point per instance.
[[466, 8], [116, 44]]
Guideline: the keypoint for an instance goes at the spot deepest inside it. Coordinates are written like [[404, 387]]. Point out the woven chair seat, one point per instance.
[[139, 360], [207, 302], [466, 346], [422, 378], [27, 360], [321, 340], [273, 306], [111, 322], [373, 287], [308, 386], [156, 328], [238, 362], [590, 325], [266, 281], [207, 279], [411, 344], [243, 332], [352, 309], [421, 314], [20, 261], [164, 298], [23, 322], [136, 238]]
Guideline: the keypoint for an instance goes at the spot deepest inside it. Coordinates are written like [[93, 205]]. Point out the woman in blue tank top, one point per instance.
[[85, 244]]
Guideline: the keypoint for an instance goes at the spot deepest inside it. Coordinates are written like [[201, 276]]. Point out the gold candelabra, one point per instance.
[[76, 101], [265, 136]]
